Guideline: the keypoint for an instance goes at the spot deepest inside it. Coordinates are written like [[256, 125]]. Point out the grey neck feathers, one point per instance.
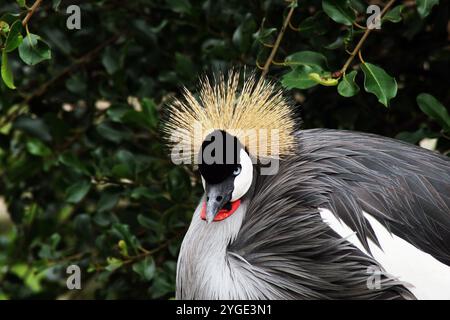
[[206, 269]]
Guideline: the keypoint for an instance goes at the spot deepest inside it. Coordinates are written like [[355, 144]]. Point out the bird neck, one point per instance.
[[203, 268]]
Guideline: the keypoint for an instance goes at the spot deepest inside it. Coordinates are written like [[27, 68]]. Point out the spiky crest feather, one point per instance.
[[255, 112]]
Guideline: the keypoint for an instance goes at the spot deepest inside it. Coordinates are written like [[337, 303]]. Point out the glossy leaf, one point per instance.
[[339, 10], [6, 72], [394, 15], [424, 7], [145, 268], [323, 80], [38, 148], [35, 127], [21, 3], [299, 78], [34, 50], [76, 192], [113, 264], [108, 201], [14, 38], [347, 86], [180, 6], [434, 109], [306, 58], [313, 25], [379, 82]]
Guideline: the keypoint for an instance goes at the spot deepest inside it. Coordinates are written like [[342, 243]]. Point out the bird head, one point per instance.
[[232, 125], [227, 173]]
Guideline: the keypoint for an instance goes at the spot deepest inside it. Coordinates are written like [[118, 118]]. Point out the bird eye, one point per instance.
[[237, 170]]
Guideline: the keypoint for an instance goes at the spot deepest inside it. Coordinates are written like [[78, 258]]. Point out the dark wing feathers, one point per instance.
[[406, 188], [285, 241], [291, 249]]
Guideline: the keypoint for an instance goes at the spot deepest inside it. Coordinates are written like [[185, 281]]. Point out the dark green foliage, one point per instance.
[[83, 170]]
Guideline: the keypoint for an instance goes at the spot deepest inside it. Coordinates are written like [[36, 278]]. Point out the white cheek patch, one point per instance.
[[243, 181], [203, 182]]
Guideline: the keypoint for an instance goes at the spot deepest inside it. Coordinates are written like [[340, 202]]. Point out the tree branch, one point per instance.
[[31, 12], [279, 38], [360, 43]]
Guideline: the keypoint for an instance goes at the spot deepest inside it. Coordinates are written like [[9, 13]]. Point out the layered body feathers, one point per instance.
[[279, 247]]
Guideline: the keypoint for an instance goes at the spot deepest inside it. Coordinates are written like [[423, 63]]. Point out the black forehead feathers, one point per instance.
[[219, 156]]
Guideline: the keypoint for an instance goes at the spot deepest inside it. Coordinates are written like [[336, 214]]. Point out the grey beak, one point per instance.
[[216, 198]]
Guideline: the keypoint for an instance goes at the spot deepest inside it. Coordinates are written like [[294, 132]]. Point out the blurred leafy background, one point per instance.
[[84, 176]]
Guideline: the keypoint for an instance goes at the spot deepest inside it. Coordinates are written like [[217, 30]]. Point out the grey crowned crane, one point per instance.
[[305, 214]]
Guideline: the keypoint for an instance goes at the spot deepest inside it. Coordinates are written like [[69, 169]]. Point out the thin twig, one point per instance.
[[31, 12], [360, 57], [360, 43], [278, 40]]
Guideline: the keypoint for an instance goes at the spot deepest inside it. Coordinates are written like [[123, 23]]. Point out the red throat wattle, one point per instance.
[[223, 213]]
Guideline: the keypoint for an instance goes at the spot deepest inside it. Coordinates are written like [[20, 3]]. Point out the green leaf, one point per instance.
[[33, 126], [59, 39], [108, 200], [103, 219], [148, 223], [77, 84], [378, 82], [263, 34], [147, 118], [184, 66], [4, 27], [338, 43], [55, 4], [111, 134], [413, 137], [113, 263], [299, 78], [83, 226], [161, 286], [307, 58], [339, 10], [71, 161], [21, 3], [434, 109], [394, 15], [122, 232], [127, 158], [347, 86], [9, 18], [243, 35], [76, 192], [111, 60], [145, 268], [121, 171], [14, 38], [38, 148], [327, 80], [150, 112], [180, 6], [358, 5], [7, 75], [33, 50], [424, 7], [313, 26]]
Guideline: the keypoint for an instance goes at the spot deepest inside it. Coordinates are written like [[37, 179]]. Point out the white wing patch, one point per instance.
[[428, 277]]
